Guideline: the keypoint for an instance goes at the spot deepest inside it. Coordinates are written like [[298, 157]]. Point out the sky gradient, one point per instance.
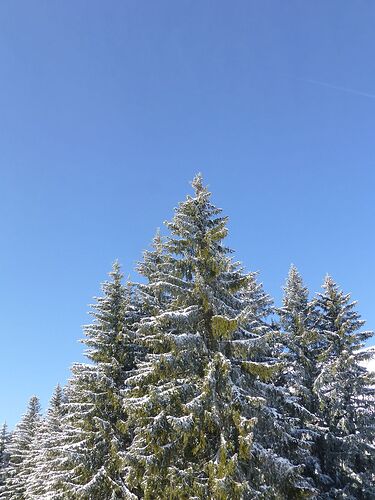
[[107, 111]]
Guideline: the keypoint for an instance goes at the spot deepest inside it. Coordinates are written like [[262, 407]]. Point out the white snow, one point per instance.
[[370, 364]]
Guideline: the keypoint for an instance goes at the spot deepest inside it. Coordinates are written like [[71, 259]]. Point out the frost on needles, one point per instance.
[[197, 387], [206, 380]]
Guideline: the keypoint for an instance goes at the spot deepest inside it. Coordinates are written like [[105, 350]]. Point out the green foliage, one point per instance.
[[96, 425], [20, 452], [264, 372], [4, 455], [193, 392], [346, 393], [223, 328], [204, 387]]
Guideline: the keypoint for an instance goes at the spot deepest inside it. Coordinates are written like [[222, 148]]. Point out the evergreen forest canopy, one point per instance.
[[198, 387]]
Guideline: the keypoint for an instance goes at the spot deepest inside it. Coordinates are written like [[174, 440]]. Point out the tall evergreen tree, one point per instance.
[[192, 393], [301, 338], [346, 397], [44, 450], [4, 455], [20, 465], [303, 348], [156, 267], [199, 399], [96, 428]]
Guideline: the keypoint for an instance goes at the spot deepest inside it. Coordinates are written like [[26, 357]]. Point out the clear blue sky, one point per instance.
[[108, 109]]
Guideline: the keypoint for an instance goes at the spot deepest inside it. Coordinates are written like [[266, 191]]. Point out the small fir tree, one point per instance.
[[303, 346], [4, 455], [44, 450], [346, 392], [156, 267], [96, 427], [301, 339], [21, 465]]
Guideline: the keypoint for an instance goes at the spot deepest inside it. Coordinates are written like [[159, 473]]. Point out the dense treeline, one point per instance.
[[199, 388]]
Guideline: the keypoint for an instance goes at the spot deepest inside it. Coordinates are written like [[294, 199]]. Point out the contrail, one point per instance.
[[336, 87]]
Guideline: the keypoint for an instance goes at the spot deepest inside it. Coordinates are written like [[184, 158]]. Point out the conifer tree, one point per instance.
[[44, 450], [4, 455], [301, 338], [199, 398], [96, 429], [20, 466], [156, 268], [303, 347], [192, 392], [346, 397]]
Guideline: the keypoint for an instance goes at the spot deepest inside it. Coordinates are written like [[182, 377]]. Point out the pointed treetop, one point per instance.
[[293, 271], [330, 285], [157, 241], [293, 279], [328, 282], [197, 184], [332, 289], [57, 395], [116, 273], [116, 266], [295, 291], [34, 405], [56, 403]]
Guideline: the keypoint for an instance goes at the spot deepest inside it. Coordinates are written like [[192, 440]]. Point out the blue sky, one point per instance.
[[108, 109]]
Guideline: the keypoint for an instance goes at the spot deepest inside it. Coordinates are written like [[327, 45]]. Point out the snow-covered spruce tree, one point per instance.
[[346, 398], [200, 396], [96, 426], [45, 450], [303, 346], [156, 267], [20, 466], [302, 341], [4, 455]]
